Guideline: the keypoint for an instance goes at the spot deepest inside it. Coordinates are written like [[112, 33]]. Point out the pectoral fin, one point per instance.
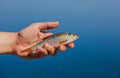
[[63, 42], [28, 50]]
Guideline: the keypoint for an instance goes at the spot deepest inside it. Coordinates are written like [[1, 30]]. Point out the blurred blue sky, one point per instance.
[[96, 53]]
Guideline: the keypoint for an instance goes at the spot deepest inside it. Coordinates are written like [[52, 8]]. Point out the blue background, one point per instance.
[[97, 51]]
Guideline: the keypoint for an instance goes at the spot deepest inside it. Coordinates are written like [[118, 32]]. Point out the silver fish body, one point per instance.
[[57, 39]]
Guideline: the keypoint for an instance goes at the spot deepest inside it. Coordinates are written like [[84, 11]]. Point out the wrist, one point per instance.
[[7, 42]]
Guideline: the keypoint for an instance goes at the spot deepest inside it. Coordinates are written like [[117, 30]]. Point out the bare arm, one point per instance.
[[7, 42]]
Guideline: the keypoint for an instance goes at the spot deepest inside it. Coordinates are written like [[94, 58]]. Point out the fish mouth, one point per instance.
[[76, 36]]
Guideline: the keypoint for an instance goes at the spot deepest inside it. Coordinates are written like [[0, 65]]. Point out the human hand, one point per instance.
[[33, 34]]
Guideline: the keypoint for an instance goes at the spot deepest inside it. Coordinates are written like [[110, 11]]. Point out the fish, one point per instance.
[[57, 39]]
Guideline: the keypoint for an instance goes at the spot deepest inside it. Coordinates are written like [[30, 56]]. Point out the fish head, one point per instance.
[[67, 37], [71, 37]]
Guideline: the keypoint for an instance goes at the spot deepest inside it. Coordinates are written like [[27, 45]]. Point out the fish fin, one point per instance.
[[28, 50], [63, 42]]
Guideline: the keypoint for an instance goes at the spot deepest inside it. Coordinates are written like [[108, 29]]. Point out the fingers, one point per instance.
[[44, 51], [49, 48], [47, 25], [40, 52], [61, 48], [71, 45]]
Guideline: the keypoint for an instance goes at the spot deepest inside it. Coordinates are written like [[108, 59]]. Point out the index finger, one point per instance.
[[47, 25]]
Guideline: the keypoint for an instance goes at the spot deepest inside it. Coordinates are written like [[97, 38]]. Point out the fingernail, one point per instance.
[[57, 22]]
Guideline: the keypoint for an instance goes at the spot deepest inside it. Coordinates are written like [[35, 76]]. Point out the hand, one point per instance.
[[34, 34]]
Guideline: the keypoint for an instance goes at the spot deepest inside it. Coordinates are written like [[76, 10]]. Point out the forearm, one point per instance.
[[7, 42]]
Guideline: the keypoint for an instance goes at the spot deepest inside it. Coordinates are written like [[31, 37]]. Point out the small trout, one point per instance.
[[55, 40]]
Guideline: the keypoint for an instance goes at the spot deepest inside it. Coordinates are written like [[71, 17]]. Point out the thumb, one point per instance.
[[47, 25]]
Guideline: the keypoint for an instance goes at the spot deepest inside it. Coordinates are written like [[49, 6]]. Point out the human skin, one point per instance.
[[16, 42]]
